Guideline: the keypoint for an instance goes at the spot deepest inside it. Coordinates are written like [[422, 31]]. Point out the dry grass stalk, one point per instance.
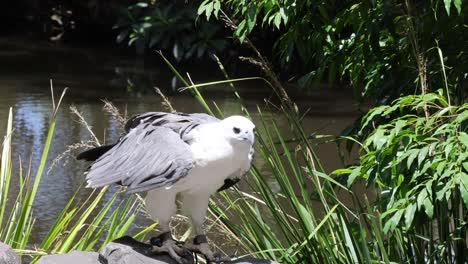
[[114, 112], [82, 121], [72, 149], [166, 103], [70, 152]]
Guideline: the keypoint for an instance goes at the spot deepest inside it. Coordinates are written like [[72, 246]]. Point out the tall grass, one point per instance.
[[80, 226]]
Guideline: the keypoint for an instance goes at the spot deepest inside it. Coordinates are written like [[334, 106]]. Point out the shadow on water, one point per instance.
[[95, 74]]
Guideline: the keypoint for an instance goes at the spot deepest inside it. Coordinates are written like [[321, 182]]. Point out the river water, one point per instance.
[[93, 74]]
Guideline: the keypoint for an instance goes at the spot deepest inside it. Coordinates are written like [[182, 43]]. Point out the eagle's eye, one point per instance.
[[236, 130]]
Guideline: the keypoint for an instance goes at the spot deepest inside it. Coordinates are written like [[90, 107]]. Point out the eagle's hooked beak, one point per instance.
[[250, 137]]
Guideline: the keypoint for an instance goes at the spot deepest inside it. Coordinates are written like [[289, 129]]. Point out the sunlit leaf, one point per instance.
[[428, 207], [463, 137], [463, 178], [391, 223], [458, 5], [409, 214]]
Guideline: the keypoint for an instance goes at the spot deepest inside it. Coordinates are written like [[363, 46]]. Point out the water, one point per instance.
[[93, 74]]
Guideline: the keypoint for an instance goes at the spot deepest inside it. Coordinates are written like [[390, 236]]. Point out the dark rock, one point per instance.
[[74, 257], [126, 250], [8, 255]]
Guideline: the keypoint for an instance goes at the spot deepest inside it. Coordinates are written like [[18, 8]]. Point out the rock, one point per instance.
[[74, 257], [126, 250], [8, 255]]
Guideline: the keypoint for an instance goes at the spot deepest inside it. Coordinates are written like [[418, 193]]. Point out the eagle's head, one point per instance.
[[239, 129]]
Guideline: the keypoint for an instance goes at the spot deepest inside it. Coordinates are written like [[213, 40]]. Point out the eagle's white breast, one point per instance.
[[216, 158]]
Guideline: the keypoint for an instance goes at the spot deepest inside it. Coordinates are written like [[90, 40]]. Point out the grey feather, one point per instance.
[[154, 153]]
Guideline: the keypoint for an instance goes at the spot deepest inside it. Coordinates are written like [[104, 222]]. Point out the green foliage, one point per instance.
[[372, 46], [80, 225], [418, 158], [169, 26]]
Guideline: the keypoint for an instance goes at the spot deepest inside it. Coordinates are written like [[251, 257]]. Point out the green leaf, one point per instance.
[[370, 116], [353, 175], [241, 31], [411, 157], [342, 171], [441, 167], [428, 207], [458, 4], [251, 18], [216, 8], [442, 192], [277, 20], [461, 117], [283, 15], [463, 137], [465, 165], [202, 7], [393, 222], [409, 214], [207, 7], [379, 138], [422, 155], [399, 125], [463, 183], [448, 150], [208, 10], [141, 4], [421, 197], [401, 179]]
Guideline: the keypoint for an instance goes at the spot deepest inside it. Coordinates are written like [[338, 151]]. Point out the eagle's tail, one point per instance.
[[94, 153]]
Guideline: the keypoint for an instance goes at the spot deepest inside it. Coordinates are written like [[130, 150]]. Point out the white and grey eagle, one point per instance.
[[170, 154]]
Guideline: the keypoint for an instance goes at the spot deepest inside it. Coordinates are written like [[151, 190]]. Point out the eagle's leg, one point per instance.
[[166, 244], [162, 213], [196, 206], [200, 245]]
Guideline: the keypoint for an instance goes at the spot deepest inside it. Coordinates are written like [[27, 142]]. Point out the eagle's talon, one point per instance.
[[159, 240], [170, 247], [209, 255]]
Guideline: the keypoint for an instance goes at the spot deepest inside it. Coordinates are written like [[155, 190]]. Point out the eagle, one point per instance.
[[176, 156]]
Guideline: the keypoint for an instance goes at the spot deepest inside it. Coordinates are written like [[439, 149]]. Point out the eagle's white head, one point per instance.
[[239, 129]]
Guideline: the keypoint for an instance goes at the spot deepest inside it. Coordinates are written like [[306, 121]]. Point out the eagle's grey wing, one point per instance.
[[180, 121], [147, 157], [154, 153]]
